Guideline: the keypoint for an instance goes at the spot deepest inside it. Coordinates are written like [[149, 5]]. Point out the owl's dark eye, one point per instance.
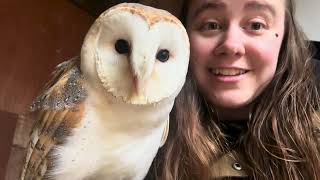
[[122, 46], [163, 55]]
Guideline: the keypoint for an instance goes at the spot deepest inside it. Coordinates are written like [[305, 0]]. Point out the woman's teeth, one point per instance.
[[228, 72]]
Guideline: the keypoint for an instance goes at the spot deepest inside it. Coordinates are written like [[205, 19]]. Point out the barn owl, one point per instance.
[[105, 114]]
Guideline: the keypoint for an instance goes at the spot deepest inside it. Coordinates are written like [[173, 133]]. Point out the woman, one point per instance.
[[248, 109]]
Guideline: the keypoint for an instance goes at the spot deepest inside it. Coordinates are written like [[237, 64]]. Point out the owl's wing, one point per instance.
[[165, 133], [57, 111]]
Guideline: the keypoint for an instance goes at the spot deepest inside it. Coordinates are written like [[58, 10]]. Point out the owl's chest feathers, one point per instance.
[[113, 140]]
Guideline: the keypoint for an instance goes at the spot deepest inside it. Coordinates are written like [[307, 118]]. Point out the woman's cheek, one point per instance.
[[200, 47], [265, 51]]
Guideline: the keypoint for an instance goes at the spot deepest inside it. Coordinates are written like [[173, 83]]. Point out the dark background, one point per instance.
[[317, 47]]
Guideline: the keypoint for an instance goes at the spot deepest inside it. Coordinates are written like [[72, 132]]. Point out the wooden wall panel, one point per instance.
[[95, 7], [35, 37], [18, 147], [7, 127]]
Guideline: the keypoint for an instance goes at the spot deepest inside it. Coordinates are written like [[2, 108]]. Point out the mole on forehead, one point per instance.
[[150, 16]]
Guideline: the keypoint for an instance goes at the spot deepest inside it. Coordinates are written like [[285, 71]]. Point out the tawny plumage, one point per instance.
[[55, 118], [105, 114]]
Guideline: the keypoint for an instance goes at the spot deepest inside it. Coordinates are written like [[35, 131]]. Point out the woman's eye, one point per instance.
[[211, 26], [256, 26]]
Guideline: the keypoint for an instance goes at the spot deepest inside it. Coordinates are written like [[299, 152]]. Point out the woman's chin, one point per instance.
[[231, 102]]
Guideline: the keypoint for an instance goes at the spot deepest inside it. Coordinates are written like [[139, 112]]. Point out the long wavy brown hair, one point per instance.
[[280, 142]]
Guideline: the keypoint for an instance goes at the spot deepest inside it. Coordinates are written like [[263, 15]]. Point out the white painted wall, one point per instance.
[[308, 16]]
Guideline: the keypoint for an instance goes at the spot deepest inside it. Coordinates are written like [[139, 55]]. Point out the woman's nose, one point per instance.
[[231, 43]]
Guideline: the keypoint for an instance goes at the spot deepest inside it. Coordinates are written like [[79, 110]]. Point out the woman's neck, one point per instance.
[[233, 114]]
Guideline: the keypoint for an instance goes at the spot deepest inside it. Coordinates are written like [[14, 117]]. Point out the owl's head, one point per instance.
[[137, 53]]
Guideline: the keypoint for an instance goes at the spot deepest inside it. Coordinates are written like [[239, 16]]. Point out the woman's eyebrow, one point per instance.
[[209, 5], [258, 6]]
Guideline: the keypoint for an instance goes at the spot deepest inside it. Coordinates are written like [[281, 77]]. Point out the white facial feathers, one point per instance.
[[137, 53]]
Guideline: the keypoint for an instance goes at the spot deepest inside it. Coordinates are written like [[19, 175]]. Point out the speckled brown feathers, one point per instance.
[[65, 88], [57, 111]]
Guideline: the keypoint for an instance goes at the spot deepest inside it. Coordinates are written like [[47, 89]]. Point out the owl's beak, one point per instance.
[[137, 85], [139, 65], [138, 78], [138, 90]]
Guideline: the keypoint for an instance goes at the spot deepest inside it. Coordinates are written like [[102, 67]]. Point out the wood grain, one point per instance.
[[8, 121], [96, 7], [35, 37]]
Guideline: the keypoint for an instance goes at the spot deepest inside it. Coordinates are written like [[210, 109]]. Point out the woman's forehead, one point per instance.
[[273, 6]]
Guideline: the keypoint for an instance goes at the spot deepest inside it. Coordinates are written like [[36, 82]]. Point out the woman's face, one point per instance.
[[234, 47]]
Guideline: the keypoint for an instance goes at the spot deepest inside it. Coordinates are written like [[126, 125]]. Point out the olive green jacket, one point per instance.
[[230, 165]]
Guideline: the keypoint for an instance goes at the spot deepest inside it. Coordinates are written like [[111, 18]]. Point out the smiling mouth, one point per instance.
[[228, 71]]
